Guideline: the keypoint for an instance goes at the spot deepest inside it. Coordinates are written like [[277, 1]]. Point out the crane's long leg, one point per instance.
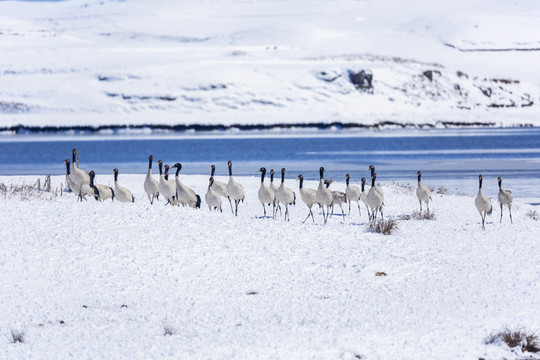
[[510, 211], [501, 213]]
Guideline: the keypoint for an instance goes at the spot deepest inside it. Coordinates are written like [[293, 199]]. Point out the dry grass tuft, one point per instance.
[[168, 330], [528, 341], [441, 190], [533, 214], [31, 191], [16, 336], [423, 216], [386, 227], [380, 273]]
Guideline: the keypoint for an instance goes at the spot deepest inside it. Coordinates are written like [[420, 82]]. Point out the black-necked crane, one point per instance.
[[104, 192], [423, 193], [338, 197], [377, 187], [363, 197], [285, 195], [324, 196], [218, 186], [167, 188], [309, 197], [151, 187], [76, 188], [78, 176], [274, 188], [121, 193], [184, 193], [235, 190], [483, 203], [374, 199], [353, 193], [213, 199], [505, 198], [265, 194]]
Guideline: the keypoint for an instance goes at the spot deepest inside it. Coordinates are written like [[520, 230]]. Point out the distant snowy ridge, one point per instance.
[[95, 65]]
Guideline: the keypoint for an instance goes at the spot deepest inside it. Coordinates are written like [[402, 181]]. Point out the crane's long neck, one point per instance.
[[327, 183], [271, 176], [282, 176], [373, 181], [166, 175], [263, 173], [67, 168], [115, 176], [347, 180], [420, 177], [92, 180], [363, 185], [321, 173], [178, 171], [74, 157], [230, 169], [213, 171], [149, 163], [160, 168], [372, 168], [301, 182], [500, 184]]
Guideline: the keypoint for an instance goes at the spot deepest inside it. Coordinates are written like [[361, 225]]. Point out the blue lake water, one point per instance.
[[446, 157]]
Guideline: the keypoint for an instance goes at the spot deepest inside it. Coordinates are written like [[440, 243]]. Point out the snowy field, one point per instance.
[[107, 280], [95, 63]]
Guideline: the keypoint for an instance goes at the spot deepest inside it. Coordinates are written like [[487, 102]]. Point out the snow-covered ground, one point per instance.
[[105, 280], [246, 62]]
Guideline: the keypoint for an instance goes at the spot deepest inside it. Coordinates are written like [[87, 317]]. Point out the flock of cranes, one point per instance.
[[175, 192]]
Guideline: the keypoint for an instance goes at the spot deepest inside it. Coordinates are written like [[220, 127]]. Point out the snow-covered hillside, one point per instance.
[[108, 280], [187, 63]]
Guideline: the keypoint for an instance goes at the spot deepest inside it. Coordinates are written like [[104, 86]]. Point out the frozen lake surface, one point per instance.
[[450, 158]]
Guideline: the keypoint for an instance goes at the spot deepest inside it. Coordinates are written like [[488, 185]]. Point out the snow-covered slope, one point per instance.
[[100, 63], [107, 280]]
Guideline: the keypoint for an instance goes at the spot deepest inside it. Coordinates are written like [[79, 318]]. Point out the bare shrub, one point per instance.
[[386, 227], [29, 191], [423, 216], [16, 336], [533, 214], [528, 341], [168, 330], [441, 190]]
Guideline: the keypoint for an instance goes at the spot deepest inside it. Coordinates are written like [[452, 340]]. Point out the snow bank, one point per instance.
[[105, 280]]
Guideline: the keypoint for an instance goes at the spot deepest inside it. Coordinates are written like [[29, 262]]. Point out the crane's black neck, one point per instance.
[[301, 181], [150, 163], [67, 167], [213, 171], [263, 173], [74, 156], [282, 175], [363, 184], [230, 169], [372, 169], [500, 183], [420, 176], [347, 180], [160, 165], [116, 176], [272, 176], [373, 181], [327, 183], [479, 183], [92, 175], [178, 169], [321, 172], [166, 176]]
